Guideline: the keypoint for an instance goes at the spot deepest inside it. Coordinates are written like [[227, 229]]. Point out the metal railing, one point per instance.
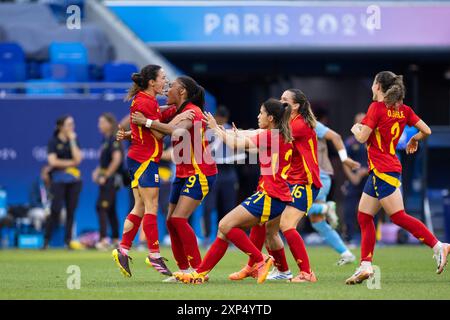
[[65, 90]]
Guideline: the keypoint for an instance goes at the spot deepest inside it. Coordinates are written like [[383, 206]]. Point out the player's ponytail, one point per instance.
[[141, 79], [305, 107], [195, 92], [392, 86], [281, 113]]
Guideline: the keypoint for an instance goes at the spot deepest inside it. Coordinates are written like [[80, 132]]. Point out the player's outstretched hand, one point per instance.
[[412, 146], [138, 118], [210, 120], [352, 164]]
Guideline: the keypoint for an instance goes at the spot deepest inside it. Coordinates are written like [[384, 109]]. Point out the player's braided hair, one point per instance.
[[305, 107], [141, 79], [281, 112], [195, 92], [392, 86]]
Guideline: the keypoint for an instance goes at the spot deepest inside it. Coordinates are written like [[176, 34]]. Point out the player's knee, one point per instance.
[[151, 206], [271, 232], [224, 227], [286, 224]]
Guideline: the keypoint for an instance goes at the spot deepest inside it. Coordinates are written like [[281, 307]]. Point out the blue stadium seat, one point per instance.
[[12, 63], [68, 52], [65, 72], [68, 62], [118, 71], [11, 52]]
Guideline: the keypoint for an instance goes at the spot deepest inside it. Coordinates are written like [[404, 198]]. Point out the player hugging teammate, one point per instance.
[[286, 143]]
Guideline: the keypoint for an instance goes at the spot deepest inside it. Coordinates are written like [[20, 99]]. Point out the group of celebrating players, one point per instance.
[[286, 144]]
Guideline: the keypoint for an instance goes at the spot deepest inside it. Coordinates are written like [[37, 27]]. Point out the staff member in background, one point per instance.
[[64, 157], [223, 197], [106, 175], [354, 186]]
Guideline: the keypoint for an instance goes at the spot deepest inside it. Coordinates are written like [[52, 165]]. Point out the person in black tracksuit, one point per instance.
[[64, 157], [356, 180], [223, 197], [107, 175]]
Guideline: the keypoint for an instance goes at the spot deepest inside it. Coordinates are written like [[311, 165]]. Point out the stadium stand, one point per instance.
[[36, 47]]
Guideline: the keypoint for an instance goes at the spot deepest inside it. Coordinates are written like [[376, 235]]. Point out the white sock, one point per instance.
[[437, 247], [155, 255], [366, 264]]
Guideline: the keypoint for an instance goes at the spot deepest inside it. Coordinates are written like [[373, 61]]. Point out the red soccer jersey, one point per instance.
[[168, 114], [144, 145], [275, 156], [387, 124], [305, 168], [193, 156]]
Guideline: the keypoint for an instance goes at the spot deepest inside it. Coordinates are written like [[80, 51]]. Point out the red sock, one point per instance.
[[257, 237], [189, 241], [368, 236], [416, 227], [280, 259], [128, 237], [298, 249], [240, 240], [213, 256], [177, 246], [150, 227]]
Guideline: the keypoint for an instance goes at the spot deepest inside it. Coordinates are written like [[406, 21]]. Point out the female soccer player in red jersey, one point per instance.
[[275, 152], [381, 128], [196, 170], [304, 182], [143, 158]]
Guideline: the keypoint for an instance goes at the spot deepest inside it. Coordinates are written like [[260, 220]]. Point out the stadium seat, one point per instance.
[[11, 52], [68, 52], [68, 62], [65, 72], [118, 71], [12, 63]]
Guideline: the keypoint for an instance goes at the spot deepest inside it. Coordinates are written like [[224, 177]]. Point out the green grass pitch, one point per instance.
[[407, 272]]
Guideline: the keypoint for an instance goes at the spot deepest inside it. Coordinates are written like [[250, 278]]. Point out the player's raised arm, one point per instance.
[[181, 121], [229, 137], [244, 133]]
